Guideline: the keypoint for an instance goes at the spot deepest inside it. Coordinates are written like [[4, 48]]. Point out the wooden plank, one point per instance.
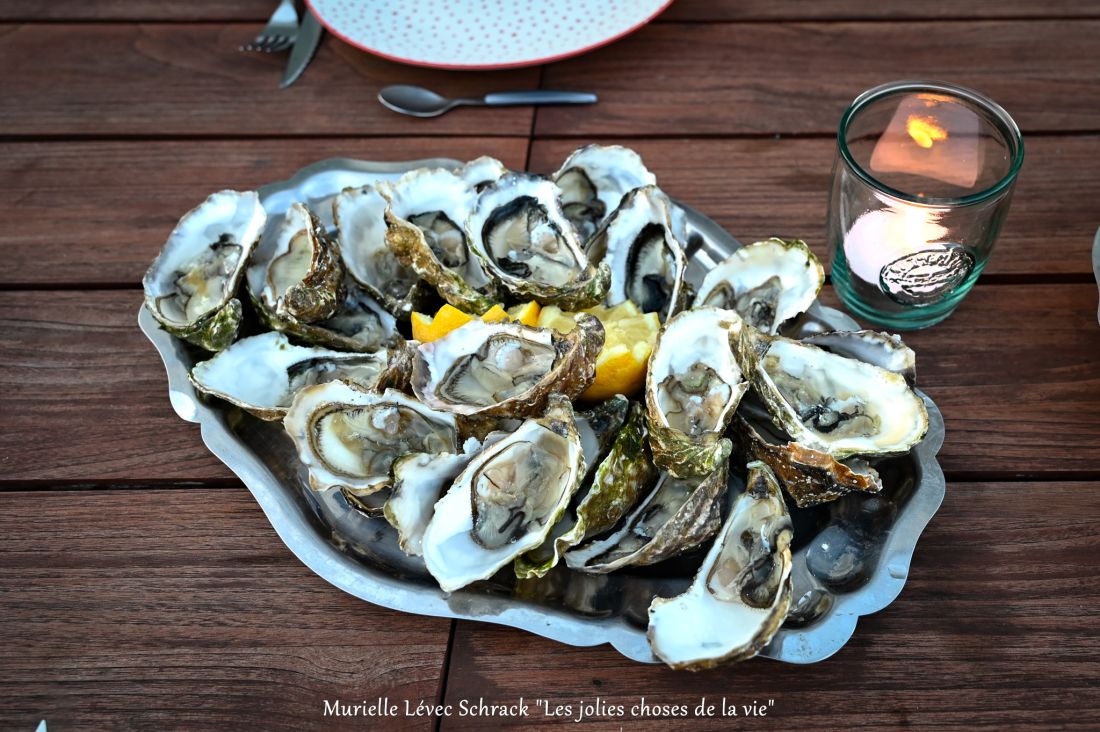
[[117, 201], [997, 626], [734, 10], [1014, 372], [189, 80], [182, 609], [136, 10], [782, 78], [758, 188]]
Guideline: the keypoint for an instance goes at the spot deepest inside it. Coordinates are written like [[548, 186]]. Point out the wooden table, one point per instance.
[[140, 584]]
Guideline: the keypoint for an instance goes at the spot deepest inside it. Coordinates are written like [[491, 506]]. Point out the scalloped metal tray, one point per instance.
[[851, 556]]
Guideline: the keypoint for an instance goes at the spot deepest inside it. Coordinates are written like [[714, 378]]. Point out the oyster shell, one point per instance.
[[348, 437], [506, 500], [593, 181], [885, 350], [740, 596], [692, 389], [480, 172], [518, 231], [191, 286], [505, 369], [767, 283], [262, 373], [426, 230], [678, 514], [359, 214], [646, 260], [831, 403]]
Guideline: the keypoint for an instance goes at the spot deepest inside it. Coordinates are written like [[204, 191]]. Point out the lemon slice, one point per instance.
[[527, 314], [427, 328]]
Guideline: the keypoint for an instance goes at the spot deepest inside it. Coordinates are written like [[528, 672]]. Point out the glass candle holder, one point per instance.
[[920, 188]]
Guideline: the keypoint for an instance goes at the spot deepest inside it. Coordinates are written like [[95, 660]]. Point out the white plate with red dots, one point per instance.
[[482, 34]]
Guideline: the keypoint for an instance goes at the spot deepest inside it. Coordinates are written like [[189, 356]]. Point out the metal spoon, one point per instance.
[[420, 102]]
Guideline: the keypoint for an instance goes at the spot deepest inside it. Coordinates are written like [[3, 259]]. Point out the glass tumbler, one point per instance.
[[920, 188]]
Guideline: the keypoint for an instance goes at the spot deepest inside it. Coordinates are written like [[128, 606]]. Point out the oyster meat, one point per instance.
[[505, 369], [740, 596], [693, 386], [191, 286], [646, 260], [593, 181], [506, 500], [348, 437], [831, 403], [262, 373], [518, 231], [767, 283]]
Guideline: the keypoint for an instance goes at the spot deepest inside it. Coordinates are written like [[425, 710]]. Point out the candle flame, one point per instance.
[[925, 131]]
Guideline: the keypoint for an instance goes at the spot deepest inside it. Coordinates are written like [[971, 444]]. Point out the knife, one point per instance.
[[309, 36], [1096, 264]]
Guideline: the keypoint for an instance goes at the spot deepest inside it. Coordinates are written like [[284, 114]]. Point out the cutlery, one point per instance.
[[309, 36], [279, 33], [1096, 264], [420, 102]]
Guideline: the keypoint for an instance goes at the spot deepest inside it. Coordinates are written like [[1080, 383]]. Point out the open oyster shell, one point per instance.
[[837, 405], [767, 283], [303, 275], [425, 223], [262, 373], [593, 181], [348, 437], [693, 386], [518, 231], [678, 514], [646, 259], [506, 500], [885, 350], [505, 369], [480, 172], [191, 286], [741, 594]]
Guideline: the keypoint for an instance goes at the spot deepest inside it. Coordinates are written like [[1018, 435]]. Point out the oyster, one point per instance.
[[740, 596], [505, 369], [506, 500], [767, 283], [425, 229], [262, 373], [885, 350], [646, 260], [598, 427], [831, 403], [359, 214], [593, 181], [348, 437], [678, 514], [692, 389], [518, 231], [480, 172], [191, 286]]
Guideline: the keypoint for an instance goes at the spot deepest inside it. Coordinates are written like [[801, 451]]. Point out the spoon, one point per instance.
[[420, 102]]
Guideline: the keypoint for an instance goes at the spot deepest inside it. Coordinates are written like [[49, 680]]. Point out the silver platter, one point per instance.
[[851, 556]]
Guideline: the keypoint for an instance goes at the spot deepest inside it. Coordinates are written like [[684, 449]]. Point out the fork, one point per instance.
[[280, 32]]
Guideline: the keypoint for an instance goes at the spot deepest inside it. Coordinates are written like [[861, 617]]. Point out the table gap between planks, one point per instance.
[[141, 585]]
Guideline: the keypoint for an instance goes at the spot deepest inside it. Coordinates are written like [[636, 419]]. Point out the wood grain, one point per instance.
[[98, 212], [176, 79], [1014, 372], [759, 188], [148, 609], [785, 78], [983, 635], [733, 10], [137, 10]]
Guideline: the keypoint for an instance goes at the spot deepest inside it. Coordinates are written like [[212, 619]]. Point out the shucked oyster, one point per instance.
[[359, 214], [741, 594], [262, 373], [506, 500], [518, 231], [505, 369], [191, 286], [349, 438], [692, 389], [646, 260], [593, 181], [767, 283], [830, 403], [425, 219], [884, 350], [480, 172]]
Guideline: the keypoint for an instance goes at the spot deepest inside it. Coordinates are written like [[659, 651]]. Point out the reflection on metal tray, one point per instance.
[[851, 556]]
